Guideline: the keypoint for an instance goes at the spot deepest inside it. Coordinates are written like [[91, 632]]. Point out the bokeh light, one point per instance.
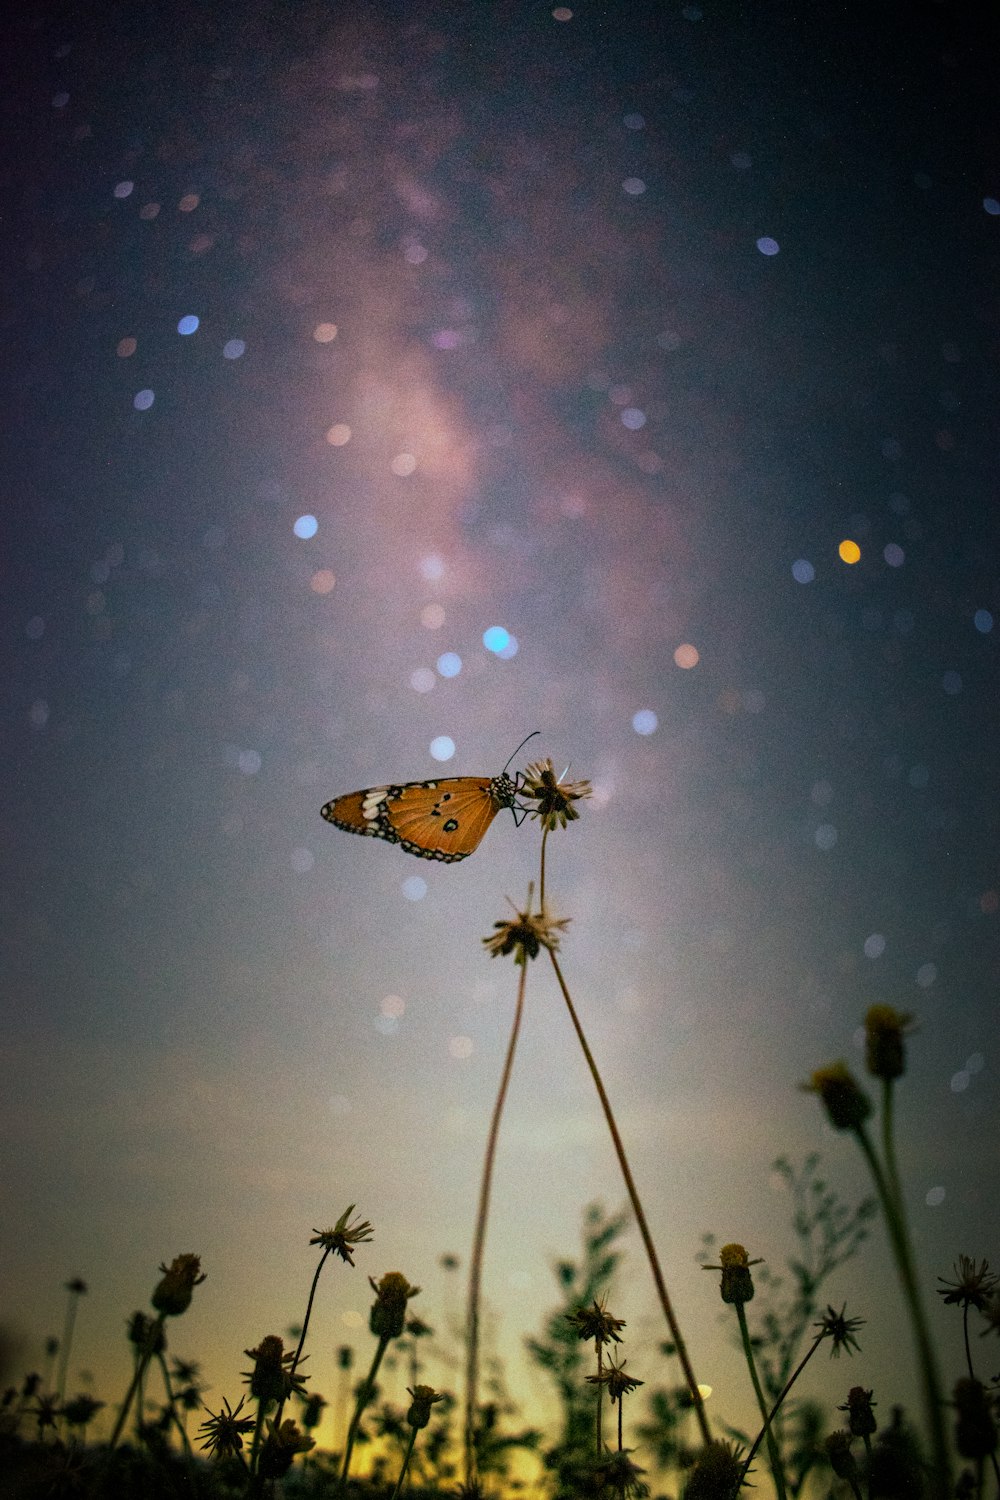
[[849, 551], [338, 435], [188, 325], [442, 747], [449, 664], [686, 656], [325, 333], [645, 721], [803, 571], [305, 527]]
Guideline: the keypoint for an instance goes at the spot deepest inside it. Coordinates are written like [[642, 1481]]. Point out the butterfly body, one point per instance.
[[444, 819]]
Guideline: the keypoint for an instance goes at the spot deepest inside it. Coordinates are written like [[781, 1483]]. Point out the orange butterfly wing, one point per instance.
[[443, 820]]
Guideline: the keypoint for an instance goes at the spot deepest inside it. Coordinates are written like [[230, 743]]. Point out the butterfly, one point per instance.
[[443, 819]]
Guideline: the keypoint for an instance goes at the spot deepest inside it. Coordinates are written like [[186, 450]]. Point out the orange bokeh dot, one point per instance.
[[126, 347], [686, 657], [324, 333], [849, 551], [189, 203], [322, 581], [338, 435]]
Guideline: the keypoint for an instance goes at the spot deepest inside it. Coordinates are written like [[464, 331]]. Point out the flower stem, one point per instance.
[[364, 1396], [66, 1342], [479, 1239], [305, 1327], [140, 1369], [541, 874], [406, 1464], [637, 1209], [931, 1386], [774, 1457], [774, 1409]]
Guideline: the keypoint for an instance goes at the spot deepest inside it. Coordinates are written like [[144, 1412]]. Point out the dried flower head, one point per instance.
[[280, 1448], [846, 1103], [974, 1285], [842, 1460], [81, 1410], [833, 1325], [885, 1029], [526, 934], [717, 1473], [553, 798], [224, 1431], [596, 1323], [77, 1286], [173, 1294], [615, 1379], [343, 1236], [616, 1474], [424, 1397], [312, 1411], [387, 1319], [859, 1405], [272, 1378], [737, 1283]]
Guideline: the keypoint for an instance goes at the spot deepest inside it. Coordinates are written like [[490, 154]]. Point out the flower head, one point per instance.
[[553, 798], [737, 1283], [717, 1473], [526, 934], [81, 1410], [859, 1405], [974, 1284], [885, 1029], [616, 1474], [173, 1294], [842, 1460], [387, 1319], [272, 1378], [280, 1448], [312, 1411], [614, 1377], [224, 1432], [77, 1286], [833, 1325], [343, 1236], [846, 1103], [424, 1397], [596, 1323]]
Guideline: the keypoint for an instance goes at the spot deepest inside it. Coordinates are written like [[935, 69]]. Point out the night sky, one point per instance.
[[383, 382]]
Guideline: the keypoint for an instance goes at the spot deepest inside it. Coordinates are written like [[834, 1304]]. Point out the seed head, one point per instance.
[[224, 1431], [615, 1379], [271, 1378], [596, 1323], [526, 935], [834, 1326]]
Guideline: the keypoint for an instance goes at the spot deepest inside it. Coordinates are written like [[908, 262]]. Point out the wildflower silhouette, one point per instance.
[[171, 1297], [225, 1430], [76, 1288], [598, 1324], [387, 1321], [418, 1416], [849, 1108], [272, 1380], [550, 802], [618, 1383], [736, 1288]]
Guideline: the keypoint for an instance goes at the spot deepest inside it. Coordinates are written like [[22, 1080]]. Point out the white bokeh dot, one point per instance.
[[442, 747], [645, 721]]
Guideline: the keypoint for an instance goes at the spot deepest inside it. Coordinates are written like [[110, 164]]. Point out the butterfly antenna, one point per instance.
[[521, 746]]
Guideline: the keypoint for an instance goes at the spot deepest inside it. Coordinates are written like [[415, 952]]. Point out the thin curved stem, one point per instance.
[[637, 1209], [305, 1328], [774, 1409], [479, 1239], [541, 874], [142, 1360]]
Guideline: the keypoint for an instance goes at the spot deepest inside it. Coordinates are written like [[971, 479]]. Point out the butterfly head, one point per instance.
[[503, 790]]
